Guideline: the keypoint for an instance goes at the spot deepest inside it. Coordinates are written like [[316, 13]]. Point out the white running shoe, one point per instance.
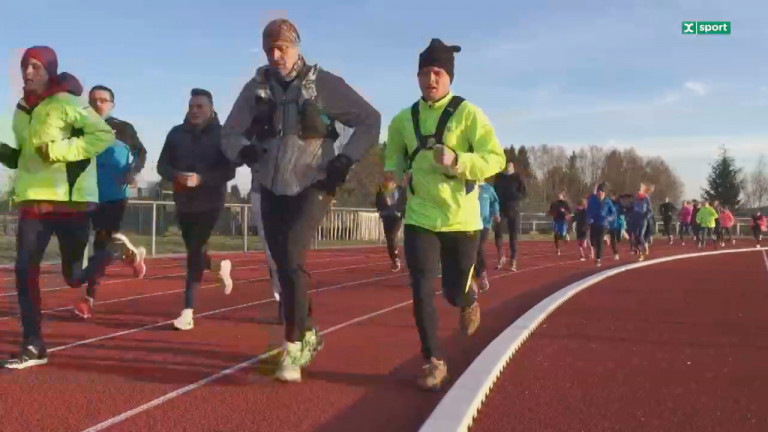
[[185, 321], [225, 277]]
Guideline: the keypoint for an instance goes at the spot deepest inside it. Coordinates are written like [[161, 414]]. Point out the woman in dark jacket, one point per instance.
[[390, 203]]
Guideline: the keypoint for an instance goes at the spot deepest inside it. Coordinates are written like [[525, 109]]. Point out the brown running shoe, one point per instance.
[[435, 373], [469, 319]]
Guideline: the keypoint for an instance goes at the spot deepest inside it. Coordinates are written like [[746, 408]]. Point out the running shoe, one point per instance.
[[30, 355], [84, 307]]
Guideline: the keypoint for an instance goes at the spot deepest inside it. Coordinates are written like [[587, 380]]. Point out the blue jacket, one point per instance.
[[600, 213], [489, 204], [619, 223], [113, 165]]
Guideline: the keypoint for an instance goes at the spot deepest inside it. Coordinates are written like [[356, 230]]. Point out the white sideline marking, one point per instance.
[[181, 391], [459, 407], [202, 287]]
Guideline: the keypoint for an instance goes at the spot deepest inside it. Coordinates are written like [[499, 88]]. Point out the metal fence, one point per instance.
[[156, 220]]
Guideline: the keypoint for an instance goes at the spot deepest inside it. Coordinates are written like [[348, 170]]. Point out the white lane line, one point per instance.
[[149, 405], [217, 311], [765, 258], [459, 407], [65, 287], [202, 287]]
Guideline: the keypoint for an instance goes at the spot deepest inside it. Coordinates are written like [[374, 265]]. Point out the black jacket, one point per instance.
[[189, 150], [396, 209], [667, 211], [126, 133], [511, 190]]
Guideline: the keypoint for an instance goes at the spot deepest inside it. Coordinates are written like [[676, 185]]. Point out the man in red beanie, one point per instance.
[[57, 139]]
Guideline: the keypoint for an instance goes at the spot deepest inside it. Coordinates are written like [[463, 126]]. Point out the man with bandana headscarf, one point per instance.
[[447, 145], [284, 126]]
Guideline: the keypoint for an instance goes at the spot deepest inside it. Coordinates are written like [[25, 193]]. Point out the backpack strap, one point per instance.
[[429, 141]]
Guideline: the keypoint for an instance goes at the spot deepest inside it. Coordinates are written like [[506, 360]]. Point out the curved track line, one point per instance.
[[162, 399], [459, 407]]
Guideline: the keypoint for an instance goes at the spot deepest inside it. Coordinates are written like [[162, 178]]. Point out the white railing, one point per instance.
[[341, 224]]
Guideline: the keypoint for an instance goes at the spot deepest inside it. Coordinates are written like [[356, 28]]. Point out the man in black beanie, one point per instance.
[[446, 145]]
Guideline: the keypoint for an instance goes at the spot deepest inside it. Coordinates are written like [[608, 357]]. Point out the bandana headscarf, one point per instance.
[[283, 32], [57, 82]]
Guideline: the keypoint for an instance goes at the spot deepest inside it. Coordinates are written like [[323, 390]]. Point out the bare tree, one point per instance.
[[757, 185], [591, 160]]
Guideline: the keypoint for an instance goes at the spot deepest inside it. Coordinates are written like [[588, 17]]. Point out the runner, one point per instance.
[[117, 168], [684, 217], [560, 210], [617, 228], [759, 226], [726, 222], [638, 220], [452, 147], [57, 140], [259, 222], [695, 227], [390, 203], [581, 226], [706, 219], [296, 165], [511, 190], [600, 214], [667, 211], [489, 212], [192, 160]]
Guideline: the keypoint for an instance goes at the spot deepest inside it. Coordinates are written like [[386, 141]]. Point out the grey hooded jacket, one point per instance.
[[294, 127]]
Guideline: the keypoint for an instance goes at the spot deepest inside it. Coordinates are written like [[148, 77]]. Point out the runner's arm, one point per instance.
[[487, 157], [91, 136]]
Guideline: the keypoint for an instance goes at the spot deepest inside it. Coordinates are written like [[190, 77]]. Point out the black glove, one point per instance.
[[338, 168], [9, 156], [249, 154], [336, 173]]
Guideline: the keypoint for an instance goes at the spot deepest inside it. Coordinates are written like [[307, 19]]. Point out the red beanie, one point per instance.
[[45, 55]]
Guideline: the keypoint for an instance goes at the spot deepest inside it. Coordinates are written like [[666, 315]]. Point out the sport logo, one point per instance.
[[706, 27]]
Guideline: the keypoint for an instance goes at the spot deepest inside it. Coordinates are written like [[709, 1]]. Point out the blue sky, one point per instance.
[[610, 73]]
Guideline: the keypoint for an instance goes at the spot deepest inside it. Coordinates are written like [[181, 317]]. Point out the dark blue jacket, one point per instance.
[[600, 213]]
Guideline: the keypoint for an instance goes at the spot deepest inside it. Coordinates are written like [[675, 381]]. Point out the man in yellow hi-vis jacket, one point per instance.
[[446, 145]]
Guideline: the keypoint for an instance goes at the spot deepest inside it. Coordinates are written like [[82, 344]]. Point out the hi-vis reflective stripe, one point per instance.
[[469, 278]]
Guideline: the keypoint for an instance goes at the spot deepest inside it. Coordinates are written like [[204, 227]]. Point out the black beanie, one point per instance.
[[439, 55]]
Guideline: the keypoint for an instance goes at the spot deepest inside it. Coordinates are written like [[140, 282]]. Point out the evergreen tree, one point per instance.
[[724, 182], [523, 163]]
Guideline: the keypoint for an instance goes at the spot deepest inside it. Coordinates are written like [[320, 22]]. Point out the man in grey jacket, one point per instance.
[[283, 125]]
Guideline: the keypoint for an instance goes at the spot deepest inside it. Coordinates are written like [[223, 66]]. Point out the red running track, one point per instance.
[[678, 346], [127, 356]]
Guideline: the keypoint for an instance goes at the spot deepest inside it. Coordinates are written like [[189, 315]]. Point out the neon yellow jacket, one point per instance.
[[706, 217], [435, 202], [74, 134]]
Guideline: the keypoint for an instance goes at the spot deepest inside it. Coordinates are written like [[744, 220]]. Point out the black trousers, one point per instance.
[[290, 223], [480, 263], [615, 240], [757, 233], [668, 227], [596, 234], [392, 226], [32, 238], [106, 220], [723, 231], [424, 250], [196, 230], [513, 222]]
